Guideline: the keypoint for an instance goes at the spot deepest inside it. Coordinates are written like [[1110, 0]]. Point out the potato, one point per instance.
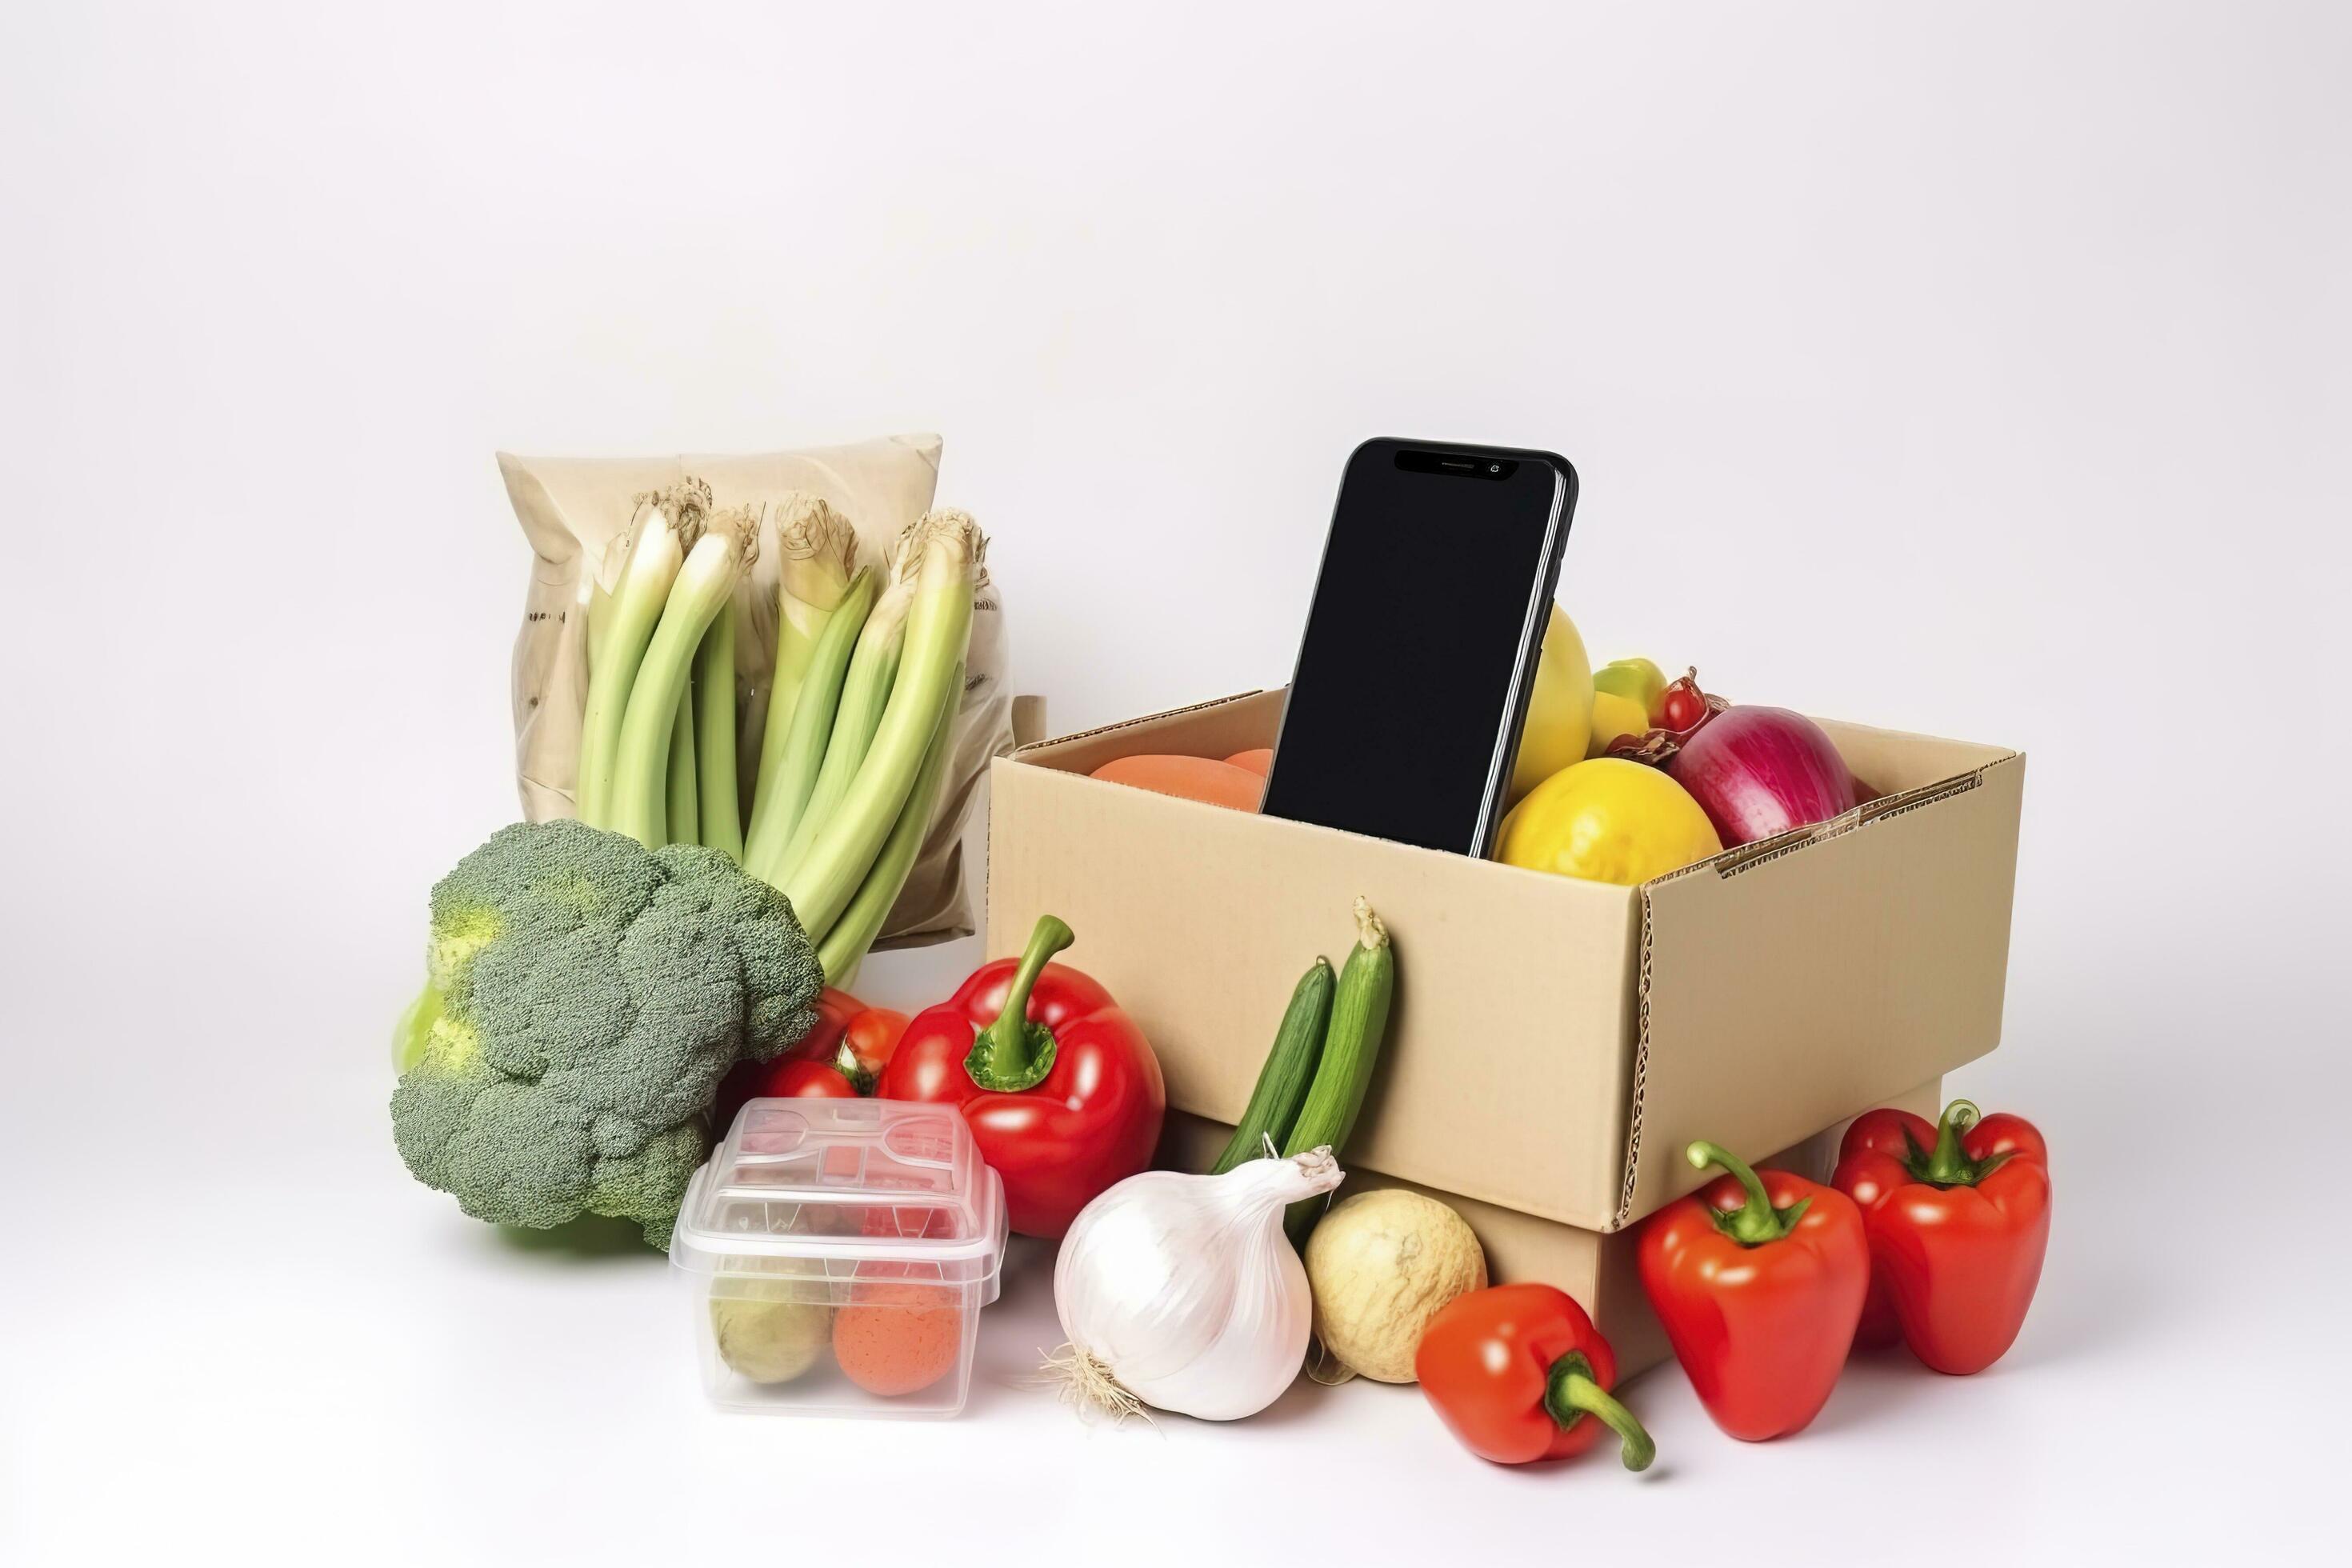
[[1381, 1264]]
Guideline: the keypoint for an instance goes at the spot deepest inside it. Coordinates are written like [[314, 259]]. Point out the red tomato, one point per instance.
[[808, 1080], [835, 1009], [753, 1080], [1682, 704], [871, 1038]]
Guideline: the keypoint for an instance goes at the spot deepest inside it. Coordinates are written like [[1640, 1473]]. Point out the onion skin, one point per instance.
[[1759, 772]]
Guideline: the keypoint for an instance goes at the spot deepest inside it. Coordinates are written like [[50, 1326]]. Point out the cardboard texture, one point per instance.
[[1554, 1043], [1601, 1271]]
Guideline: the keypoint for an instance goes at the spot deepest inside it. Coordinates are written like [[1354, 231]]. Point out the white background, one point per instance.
[[1978, 370]]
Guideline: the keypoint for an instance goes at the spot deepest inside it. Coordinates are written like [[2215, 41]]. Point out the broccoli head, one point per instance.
[[585, 996]]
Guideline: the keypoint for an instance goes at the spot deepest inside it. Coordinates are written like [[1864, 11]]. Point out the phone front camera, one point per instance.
[[1494, 468]]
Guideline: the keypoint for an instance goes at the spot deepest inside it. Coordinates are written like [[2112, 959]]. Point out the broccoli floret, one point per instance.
[[586, 995]]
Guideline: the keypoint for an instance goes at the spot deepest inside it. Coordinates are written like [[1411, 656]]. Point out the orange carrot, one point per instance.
[[1203, 779]]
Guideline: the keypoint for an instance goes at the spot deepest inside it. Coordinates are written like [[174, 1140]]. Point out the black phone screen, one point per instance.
[[1402, 720]]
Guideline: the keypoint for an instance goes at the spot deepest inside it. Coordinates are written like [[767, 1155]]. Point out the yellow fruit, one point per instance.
[[1559, 710], [1614, 716], [1640, 679], [1607, 820]]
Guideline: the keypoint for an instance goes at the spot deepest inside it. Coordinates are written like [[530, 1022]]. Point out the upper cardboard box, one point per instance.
[[1555, 1043]]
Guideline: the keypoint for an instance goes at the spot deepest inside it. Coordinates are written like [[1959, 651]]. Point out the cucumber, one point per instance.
[[1289, 1069], [1352, 1048]]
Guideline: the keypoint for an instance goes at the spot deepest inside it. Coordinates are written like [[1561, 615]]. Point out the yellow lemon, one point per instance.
[[1612, 717], [1559, 709], [1638, 680], [1606, 820]]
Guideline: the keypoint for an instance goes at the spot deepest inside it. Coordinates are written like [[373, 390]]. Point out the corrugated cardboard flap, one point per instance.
[[1753, 1030]]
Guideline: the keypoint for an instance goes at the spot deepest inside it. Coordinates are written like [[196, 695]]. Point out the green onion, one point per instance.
[[683, 820], [786, 791], [844, 948], [943, 553], [865, 693], [714, 735], [817, 553], [639, 803], [666, 527]]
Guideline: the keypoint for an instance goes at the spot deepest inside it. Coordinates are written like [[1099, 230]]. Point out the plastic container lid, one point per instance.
[[836, 1189]]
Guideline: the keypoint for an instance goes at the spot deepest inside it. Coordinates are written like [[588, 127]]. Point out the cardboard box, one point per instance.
[[1555, 1043]]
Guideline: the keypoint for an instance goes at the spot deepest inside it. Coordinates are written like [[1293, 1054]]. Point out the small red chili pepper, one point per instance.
[[1759, 1279], [1958, 1215], [1519, 1374]]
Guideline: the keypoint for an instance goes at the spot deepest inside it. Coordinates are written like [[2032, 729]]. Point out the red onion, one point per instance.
[[1757, 772]]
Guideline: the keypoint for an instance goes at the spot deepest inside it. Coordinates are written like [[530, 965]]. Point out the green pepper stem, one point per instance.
[[1950, 1165], [1571, 1393], [1755, 1220], [1012, 1054]]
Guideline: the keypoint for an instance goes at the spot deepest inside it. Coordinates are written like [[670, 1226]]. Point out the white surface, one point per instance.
[[1977, 369]]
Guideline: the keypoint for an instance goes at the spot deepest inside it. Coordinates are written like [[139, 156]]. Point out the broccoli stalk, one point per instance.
[[587, 996]]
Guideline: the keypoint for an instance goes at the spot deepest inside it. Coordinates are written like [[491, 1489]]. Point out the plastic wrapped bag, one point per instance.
[[570, 509]]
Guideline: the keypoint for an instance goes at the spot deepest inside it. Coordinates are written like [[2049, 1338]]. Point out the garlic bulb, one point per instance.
[[1181, 1292]]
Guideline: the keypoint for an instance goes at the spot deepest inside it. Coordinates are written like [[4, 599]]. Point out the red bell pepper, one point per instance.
[[1878, 1327], [1060, 1088], [1519, 1374], [1958, 1215], [1759, 1279]]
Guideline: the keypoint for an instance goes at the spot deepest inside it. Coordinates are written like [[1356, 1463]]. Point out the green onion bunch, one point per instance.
[[868, 678]]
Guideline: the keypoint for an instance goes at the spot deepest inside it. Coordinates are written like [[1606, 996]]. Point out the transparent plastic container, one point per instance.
[[836, 1255]]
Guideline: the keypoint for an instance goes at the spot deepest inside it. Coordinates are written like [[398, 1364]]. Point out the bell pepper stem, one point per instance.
[[1755, 1220], [1950, 1165], [1571, 1393], [1012, 1054]]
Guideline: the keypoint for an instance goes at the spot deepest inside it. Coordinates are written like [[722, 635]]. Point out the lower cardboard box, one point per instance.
[[1554, 1044], [1597, 1267]]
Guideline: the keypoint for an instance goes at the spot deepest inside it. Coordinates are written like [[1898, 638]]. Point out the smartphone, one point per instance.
[[1403, 715]]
